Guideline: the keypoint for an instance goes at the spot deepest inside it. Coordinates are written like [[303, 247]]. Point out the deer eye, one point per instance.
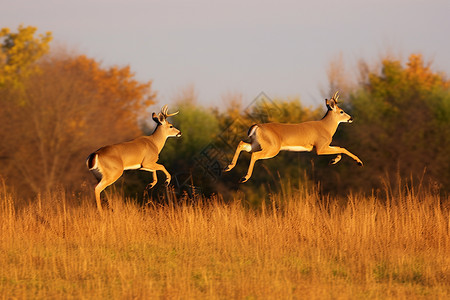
[[342, 112], [171, 126]]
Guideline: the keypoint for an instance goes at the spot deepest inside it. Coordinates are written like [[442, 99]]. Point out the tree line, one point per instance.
[[57, 107]]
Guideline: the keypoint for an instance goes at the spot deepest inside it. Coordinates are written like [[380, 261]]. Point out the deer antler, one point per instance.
[[164, 112], [336, 96]]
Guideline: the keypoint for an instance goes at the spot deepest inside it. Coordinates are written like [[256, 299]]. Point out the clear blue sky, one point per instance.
[[280, 47]]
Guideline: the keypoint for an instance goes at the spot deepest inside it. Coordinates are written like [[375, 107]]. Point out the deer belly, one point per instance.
[[133, 167], [296, 148]]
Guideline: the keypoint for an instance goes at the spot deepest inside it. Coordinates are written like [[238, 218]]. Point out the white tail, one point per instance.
[[142, 153], [267, 140]]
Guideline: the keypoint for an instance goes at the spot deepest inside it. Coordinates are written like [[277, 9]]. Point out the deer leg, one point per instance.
[[256, 156], [338, 150], [243, 146], [155, 178], [336, 159], [106, 181], [156, 167]]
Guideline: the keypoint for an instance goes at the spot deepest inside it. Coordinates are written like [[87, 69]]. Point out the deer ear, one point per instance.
[[331, 104], [161, 118], [156, 118]]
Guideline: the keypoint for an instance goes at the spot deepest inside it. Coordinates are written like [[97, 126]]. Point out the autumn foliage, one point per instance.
[[68, 107], [402, 125], [58, 107]]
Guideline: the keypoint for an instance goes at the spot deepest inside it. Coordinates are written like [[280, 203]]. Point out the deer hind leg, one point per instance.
[[338, 150], [243, 146], [106, 181], [257, 156]]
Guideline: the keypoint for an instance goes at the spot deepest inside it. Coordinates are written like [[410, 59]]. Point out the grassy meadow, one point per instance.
[[299, 245]]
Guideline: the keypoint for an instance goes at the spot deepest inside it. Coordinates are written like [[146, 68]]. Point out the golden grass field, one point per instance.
[[299, 245]]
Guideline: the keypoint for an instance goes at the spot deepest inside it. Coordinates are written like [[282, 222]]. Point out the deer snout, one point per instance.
[[178, 134], [350, 120]]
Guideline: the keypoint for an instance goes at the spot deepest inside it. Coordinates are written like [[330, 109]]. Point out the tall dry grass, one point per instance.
[[299, 245]]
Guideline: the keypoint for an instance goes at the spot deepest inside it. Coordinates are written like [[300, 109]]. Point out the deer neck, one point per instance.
[[330, 122], [159, 138]]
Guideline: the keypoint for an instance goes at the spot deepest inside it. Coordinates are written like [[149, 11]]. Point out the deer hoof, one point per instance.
[[243, 179], [336, 160]]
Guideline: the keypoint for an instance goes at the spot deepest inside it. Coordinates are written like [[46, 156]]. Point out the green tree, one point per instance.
[[401, 127], [199, 126]]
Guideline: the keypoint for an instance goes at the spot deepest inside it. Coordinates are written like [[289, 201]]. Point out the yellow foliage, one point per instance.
[[19, 52], [418, 72]]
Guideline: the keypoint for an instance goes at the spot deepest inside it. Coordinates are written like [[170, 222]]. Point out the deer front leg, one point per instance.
[[156, 167], [243, 146], [338, 150], [336, 159], [155, 178]]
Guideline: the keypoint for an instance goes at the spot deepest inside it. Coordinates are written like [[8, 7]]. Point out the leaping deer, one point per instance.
[[108, 163], [267, 140]]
